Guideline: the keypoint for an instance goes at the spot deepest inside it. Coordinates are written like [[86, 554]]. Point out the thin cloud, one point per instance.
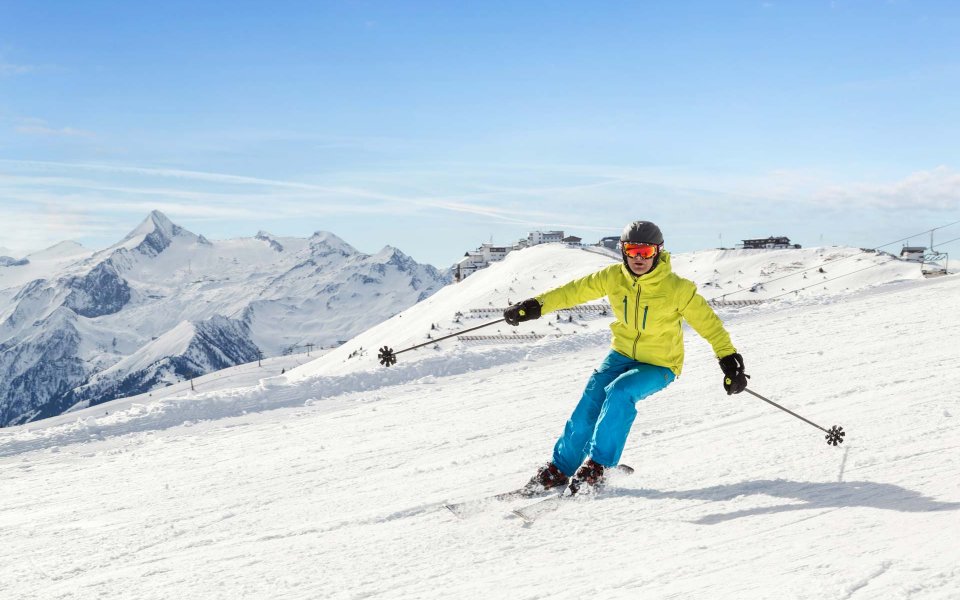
[[38, 227], [339, 194], [7, 69], [935, 190], [183, 174], [581, 198], [49, 131], [33, 126]]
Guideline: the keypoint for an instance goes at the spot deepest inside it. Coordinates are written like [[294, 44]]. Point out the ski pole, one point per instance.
[[389, 357], [834, 434]]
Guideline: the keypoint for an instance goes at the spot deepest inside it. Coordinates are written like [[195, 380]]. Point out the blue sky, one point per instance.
[[435, 126]]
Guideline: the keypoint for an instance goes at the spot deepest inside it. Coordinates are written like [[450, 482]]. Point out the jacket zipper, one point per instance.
[[645, 308], [626, 317], [636, 317]]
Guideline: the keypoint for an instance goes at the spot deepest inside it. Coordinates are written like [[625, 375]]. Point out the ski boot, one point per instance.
[[589, 478], [548, 477]]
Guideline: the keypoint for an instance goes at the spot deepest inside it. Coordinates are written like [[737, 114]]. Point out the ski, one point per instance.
[[467, 507], [531, 512]]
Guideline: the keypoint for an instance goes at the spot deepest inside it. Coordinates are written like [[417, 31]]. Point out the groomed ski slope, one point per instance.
[[335, 492]]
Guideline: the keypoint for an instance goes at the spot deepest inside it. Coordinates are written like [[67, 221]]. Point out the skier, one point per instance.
[[648, 301]]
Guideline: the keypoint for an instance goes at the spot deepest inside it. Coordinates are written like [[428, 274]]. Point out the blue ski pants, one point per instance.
[[600, 423]]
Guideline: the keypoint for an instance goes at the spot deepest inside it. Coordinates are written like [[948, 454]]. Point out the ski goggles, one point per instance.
[[642, 250]]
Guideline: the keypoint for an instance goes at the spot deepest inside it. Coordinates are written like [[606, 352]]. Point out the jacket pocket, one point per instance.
[[626, 315], [645, 309]]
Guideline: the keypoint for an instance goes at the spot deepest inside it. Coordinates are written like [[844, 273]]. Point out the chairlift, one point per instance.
[[934, 264]]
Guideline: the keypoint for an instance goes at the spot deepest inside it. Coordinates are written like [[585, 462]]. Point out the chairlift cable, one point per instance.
[[822, 282], [837, 260]]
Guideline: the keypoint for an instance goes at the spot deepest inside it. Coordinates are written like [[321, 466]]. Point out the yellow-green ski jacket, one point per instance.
[[648, 311]]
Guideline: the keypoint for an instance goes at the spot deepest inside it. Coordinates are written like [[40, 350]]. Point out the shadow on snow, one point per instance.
[[808, 495]]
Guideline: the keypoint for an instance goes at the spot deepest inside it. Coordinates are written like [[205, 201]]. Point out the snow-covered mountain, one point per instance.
[[328, 481], [6, 257], [164, 304]]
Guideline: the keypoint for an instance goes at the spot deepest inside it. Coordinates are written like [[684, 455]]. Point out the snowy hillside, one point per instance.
[[39, 265], [483, 296], [337, 492], [164, 305]]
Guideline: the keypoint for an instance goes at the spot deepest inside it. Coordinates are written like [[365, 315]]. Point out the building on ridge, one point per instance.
[[535, 238], [487, 254], [913, 253], [769, 243], [611, 242]]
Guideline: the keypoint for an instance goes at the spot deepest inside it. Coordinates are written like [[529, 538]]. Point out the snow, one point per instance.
[[62, 251], [41, 265], [240, 376], [327, 481], [172, 343]]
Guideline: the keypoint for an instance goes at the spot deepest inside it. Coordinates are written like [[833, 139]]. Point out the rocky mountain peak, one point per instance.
[[155, 234], [324, 243], [263, 236], [158, 222]]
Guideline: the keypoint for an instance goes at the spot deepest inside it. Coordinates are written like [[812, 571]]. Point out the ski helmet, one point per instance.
[[642, 232]]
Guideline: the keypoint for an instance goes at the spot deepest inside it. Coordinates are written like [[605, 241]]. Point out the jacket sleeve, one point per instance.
[[573, 293], [704, 320]]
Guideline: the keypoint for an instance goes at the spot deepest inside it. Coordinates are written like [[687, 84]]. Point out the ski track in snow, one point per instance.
[[336, 492]]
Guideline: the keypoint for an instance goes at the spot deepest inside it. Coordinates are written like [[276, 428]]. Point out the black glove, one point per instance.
[[524, 311], [734, 379]]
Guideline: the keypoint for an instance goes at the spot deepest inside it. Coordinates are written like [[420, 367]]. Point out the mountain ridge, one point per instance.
[[265, 294]]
